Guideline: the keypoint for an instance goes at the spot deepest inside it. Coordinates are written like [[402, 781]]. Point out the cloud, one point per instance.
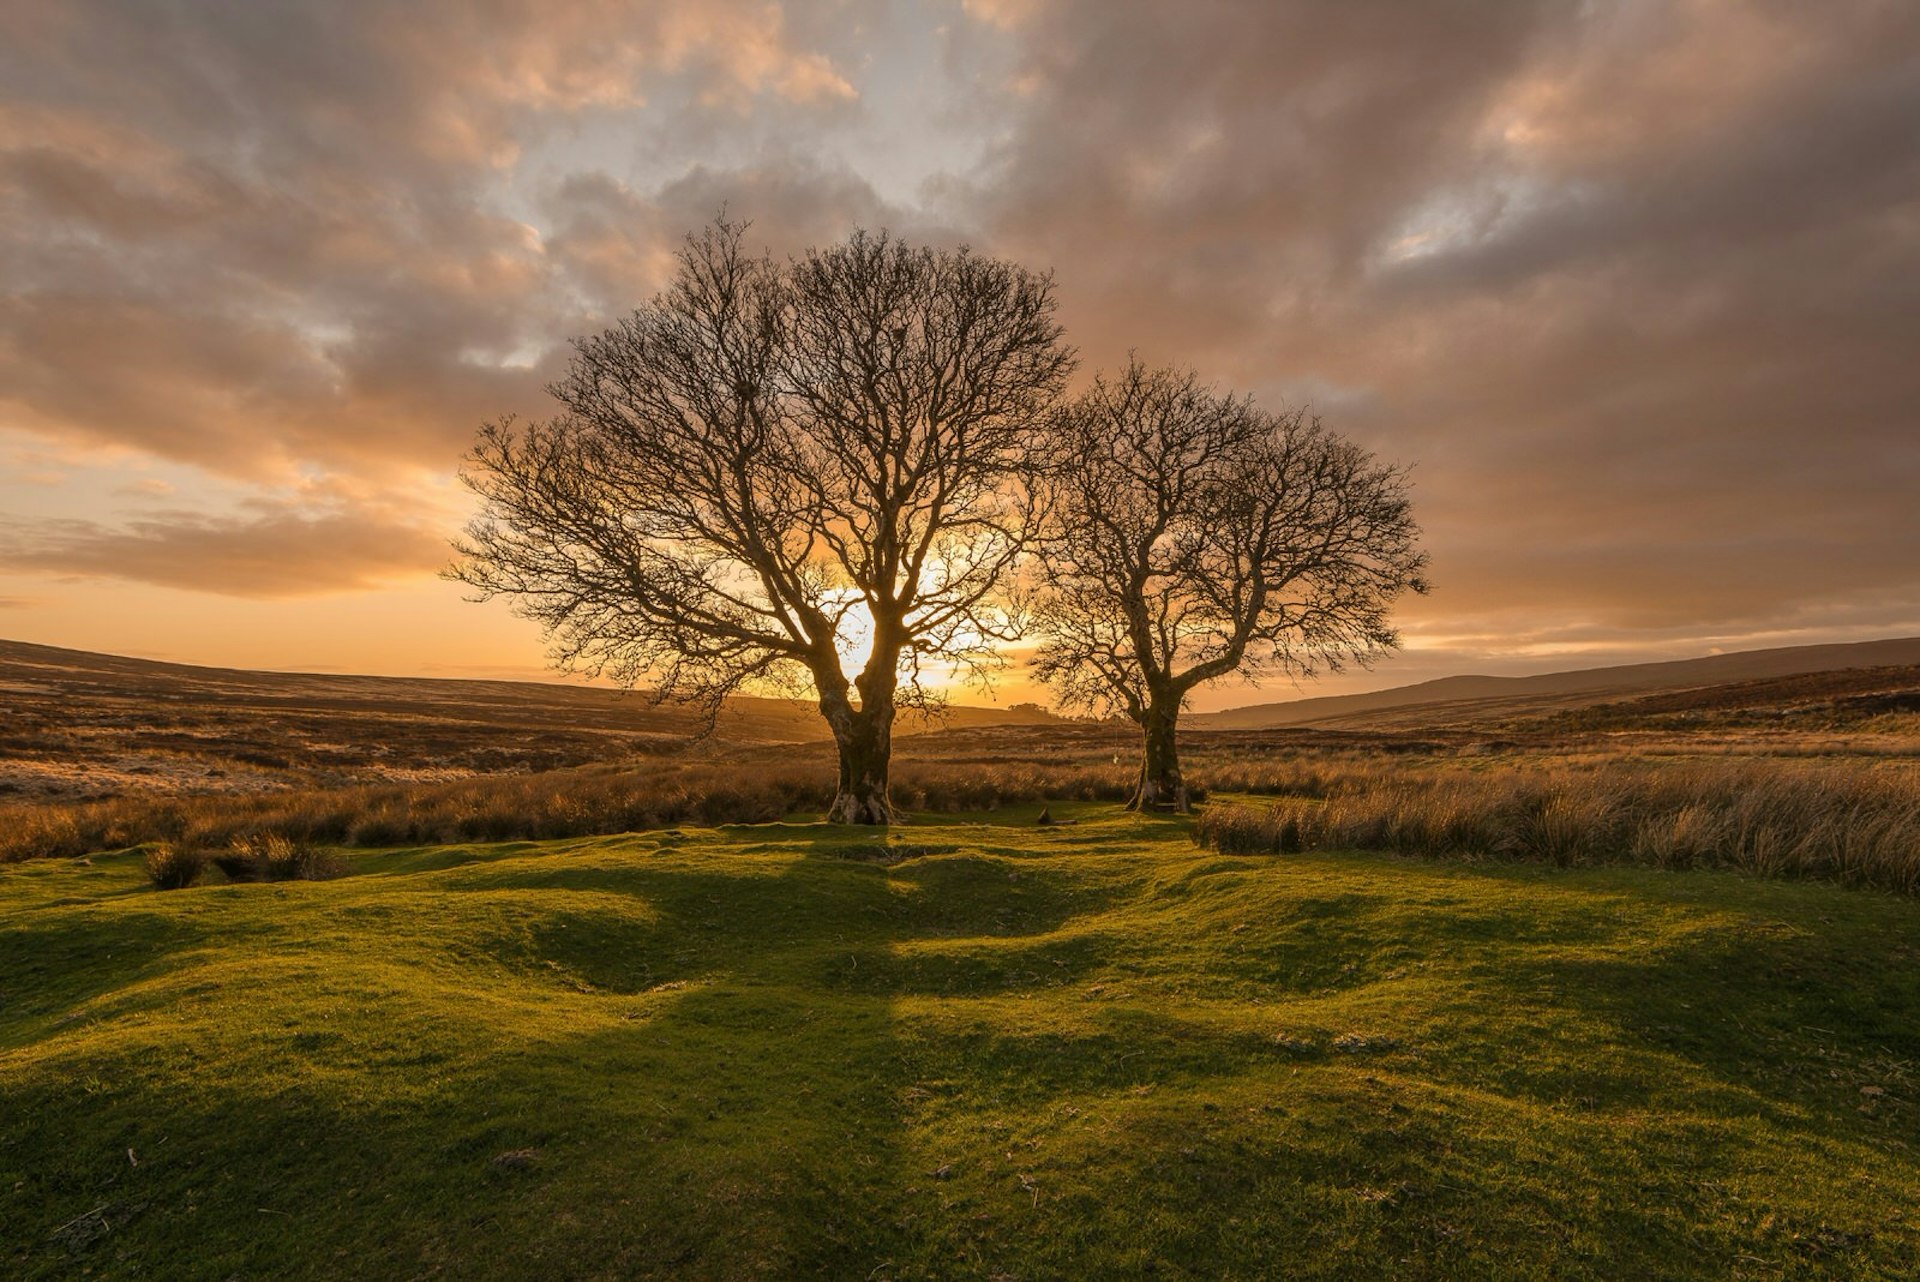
[[319, 244], [266, 239], [615, 245], [1005, 14], [1634, 284], [277, 553]]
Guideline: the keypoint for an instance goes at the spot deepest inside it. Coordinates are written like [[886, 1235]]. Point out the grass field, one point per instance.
[[974, 1049]]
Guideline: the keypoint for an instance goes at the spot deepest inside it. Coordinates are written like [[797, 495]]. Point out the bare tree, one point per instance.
[[765, 453], [1196, 536]]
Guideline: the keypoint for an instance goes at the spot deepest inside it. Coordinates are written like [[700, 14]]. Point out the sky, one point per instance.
[[1632, 287]]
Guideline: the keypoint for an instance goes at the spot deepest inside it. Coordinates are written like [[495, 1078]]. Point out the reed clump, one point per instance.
[[171, 866], [274, 856]]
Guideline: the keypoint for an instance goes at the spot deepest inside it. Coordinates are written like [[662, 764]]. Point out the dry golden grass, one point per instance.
[[558, 803], [174, 867], [1813, 776], [1852, 822]]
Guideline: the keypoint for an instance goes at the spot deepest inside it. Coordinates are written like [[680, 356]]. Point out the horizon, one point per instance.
[[547, 676], [1621, 286]]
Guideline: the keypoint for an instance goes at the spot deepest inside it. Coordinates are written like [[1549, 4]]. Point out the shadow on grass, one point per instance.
[[1725, 975], [722, 1098], [1785, 1023], [800, 1063], [58, 965], [729, 1116]]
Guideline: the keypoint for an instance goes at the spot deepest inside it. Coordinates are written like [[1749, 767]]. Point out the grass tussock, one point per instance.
[[171, 866], [1848, 823], [276, 857]]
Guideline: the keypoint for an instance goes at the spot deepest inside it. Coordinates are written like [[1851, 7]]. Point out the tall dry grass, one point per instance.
[[561, 803], [1856, 822], [1849, 822]]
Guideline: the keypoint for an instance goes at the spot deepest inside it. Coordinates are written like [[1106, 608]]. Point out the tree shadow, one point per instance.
[[799, 1061], [723, 1098], [65, 964], [1777, 1020]]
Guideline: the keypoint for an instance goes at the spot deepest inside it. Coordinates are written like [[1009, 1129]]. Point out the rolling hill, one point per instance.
[[77, 723], [1467, 700], [983, 1049]]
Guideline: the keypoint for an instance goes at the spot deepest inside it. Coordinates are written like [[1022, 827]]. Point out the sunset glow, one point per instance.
[[977, 639], [1622, 282]]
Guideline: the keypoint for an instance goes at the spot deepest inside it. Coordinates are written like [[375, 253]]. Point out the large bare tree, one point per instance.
[[770, 457], [1195, 536]]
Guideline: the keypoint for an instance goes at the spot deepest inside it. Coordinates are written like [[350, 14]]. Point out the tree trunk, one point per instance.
[[864, 737], [866, 751], [1161, 787]]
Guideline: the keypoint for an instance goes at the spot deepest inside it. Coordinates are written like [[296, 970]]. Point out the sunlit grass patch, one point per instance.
[[1001, 1049]]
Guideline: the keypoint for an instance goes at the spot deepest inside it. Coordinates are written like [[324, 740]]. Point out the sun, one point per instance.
[[853, 630]]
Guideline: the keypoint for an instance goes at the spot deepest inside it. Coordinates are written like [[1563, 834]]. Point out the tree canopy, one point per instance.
[[1193, 536], [774, 460], [770, 455]]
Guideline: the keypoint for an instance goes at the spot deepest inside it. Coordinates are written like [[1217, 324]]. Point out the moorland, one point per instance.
[[1619, 986]]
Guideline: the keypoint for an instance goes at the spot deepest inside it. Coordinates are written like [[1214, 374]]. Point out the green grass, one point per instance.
[[1085, 1051]]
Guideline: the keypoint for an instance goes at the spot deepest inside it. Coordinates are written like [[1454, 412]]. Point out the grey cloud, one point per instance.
[[615, 244], [607, 233], [1635, 284], [258, 237]]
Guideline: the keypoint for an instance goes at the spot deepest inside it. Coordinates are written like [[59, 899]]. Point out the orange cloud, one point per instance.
[[279, 554], [1631, 284]]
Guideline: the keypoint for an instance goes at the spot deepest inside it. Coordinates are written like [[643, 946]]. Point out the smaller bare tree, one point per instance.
[[1196, 536]]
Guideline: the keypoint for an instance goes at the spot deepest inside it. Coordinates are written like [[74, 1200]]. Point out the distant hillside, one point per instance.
[[83, 676], [1843, 698], [1469, 700], [74, 723]]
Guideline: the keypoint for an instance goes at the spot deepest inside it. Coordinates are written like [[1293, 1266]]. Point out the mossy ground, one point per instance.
[[1082, 1051]]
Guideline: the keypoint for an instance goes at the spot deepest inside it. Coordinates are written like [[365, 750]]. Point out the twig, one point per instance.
[[82, 1216]]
